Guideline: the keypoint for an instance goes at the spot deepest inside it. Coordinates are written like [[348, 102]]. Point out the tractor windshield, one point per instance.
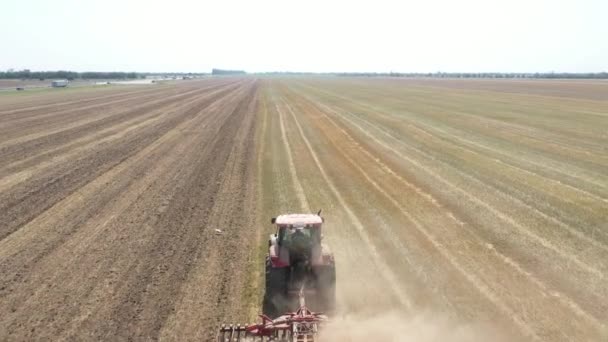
[[300, 236]]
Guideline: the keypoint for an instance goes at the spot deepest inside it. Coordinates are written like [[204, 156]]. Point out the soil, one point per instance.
[[110, 205], [457, 210], [454, 214]]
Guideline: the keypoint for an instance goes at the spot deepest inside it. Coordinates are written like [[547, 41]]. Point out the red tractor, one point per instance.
[[300, 285], [298, 261]]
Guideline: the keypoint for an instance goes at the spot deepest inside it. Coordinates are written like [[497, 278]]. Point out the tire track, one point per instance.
[[566, 176], [384, 270], [304, 206]]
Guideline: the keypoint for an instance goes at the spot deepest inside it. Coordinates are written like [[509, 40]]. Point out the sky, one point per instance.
[[305, 35]]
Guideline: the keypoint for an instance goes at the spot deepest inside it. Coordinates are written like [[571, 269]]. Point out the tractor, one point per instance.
[[300, 285], [298, 261]]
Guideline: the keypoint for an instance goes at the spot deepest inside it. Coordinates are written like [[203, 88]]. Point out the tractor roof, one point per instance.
[[297, 219]]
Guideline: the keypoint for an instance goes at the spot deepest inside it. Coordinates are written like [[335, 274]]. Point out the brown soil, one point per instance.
[[110, 205], [457, 211]]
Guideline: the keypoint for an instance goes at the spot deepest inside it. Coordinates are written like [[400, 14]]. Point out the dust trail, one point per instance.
[[381, 323], [398, 327]]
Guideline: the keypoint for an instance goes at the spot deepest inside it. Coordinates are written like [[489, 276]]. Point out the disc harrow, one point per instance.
[[300, 326]]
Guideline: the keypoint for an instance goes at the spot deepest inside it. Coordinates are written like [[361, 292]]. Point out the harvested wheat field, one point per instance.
[[457, 210]]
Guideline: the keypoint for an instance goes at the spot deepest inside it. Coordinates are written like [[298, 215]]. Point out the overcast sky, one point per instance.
[[305, 35]]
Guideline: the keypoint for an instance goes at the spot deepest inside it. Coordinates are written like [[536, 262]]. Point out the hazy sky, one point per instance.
[[305, 35]]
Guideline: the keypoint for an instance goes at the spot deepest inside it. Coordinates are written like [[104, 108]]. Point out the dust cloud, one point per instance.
[[400, 327], [367, 309]]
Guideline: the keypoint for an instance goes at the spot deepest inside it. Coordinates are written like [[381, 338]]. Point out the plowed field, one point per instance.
[[456, 211], [109, 208]]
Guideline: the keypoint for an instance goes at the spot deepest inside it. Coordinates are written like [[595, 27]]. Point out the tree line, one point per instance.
[[588, 75], [69, 75]]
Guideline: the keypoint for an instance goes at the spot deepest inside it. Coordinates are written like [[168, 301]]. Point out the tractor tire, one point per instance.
[[326, 288], [275, 291]]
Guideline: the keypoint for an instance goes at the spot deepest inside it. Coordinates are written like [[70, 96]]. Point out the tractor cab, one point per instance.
[[291, 228], [298, 237]]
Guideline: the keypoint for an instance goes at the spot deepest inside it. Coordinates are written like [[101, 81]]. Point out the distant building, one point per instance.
[[60, 83], [227, 72]]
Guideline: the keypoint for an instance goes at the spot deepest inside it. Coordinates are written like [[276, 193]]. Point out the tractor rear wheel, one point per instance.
[[275, 291]]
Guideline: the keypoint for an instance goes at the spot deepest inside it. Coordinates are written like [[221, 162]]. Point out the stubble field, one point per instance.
[[455, 210]]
